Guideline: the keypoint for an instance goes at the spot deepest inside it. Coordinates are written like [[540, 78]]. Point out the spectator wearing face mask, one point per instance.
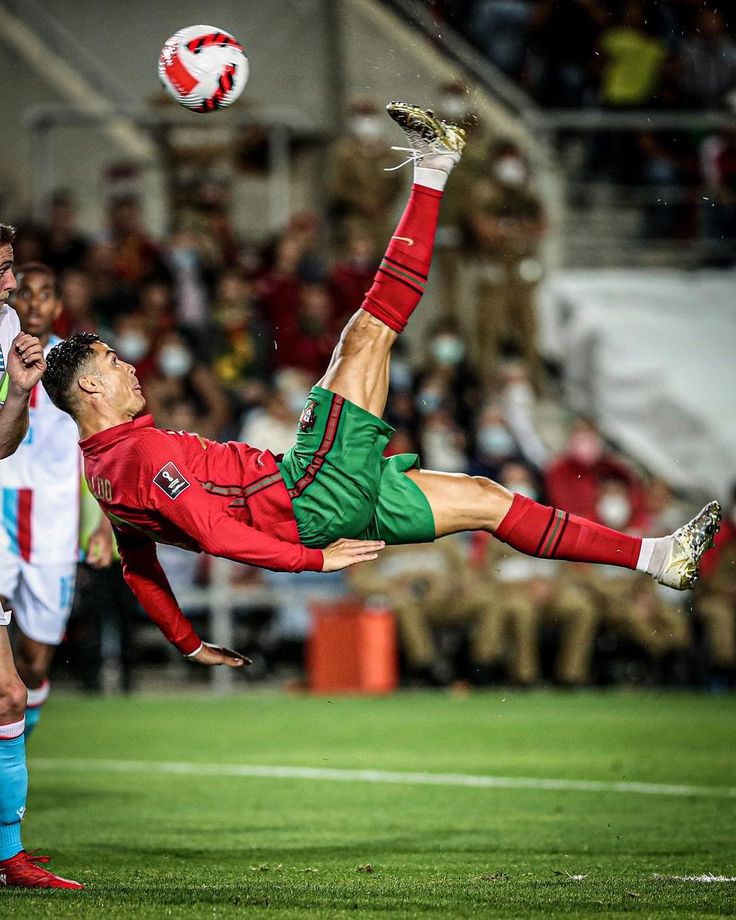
[[179, 376], [444, 443], [495, 445], [132, 342], [574, 479], [715, 601], [447, 380], [273, 424], [530, 594], [504, 220], [635, 609], [360, 191]]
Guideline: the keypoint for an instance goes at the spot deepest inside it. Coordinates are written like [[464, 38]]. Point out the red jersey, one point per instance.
[[174, 487]]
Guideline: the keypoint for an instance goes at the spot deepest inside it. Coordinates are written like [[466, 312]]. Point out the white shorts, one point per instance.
[[40, 596]]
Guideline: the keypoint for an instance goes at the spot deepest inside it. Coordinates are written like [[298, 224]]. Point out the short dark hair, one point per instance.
[[38, 268], [7, 234], [63, 364]]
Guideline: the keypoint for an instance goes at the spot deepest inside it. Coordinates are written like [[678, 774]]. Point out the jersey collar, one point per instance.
[[116, 433]]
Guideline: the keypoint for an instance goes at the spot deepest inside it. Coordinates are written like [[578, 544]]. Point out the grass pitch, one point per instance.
[[152, 842]]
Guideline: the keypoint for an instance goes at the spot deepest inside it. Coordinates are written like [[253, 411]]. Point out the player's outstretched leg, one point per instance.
[[474, 503], [359, 367]]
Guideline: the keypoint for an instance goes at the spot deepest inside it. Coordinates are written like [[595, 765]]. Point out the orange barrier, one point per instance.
[[351, 649]]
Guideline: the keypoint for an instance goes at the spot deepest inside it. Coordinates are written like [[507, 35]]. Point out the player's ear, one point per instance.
[[90, 384]]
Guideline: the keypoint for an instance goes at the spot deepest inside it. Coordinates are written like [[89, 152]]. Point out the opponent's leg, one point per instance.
[[33, 661], [461, 502], [13, 773], [358, 370]]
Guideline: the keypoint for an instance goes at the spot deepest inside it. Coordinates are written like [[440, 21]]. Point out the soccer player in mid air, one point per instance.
[[333, 499], [21, 358], [40, 493]]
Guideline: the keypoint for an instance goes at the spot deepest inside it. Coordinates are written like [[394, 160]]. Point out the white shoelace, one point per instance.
[[414, 157]]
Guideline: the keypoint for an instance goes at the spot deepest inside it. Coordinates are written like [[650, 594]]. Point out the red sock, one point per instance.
[[539, 530], [402, 275]]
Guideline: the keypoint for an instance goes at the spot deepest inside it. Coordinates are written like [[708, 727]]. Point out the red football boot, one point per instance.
[[23, 871]]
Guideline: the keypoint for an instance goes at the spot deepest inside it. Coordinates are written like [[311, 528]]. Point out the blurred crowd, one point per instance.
[[669, 56], [228, 336], [634, 53]]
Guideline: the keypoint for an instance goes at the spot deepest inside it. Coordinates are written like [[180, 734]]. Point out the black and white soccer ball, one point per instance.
[[203, 68]]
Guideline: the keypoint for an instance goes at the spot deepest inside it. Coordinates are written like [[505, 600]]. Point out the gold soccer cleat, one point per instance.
[[687, 546], [435, 144]]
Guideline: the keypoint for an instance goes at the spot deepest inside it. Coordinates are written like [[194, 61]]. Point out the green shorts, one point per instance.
[[340, 483]]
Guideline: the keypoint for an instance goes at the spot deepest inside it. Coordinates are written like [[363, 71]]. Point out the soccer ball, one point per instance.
[[203, 68]]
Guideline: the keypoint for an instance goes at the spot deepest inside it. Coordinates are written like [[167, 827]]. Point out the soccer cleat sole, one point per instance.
[[426, 124]]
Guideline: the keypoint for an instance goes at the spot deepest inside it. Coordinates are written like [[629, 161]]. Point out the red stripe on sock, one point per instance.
[[391, 299], [527, 526]]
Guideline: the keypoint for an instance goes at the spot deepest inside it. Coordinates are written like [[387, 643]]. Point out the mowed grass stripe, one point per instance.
[[322, 774]]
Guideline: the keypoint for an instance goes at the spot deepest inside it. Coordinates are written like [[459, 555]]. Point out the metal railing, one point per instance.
[[281, 128]]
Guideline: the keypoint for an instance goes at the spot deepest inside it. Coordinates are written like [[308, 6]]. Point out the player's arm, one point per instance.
[[25, 368], [148, 582], [176, 495]]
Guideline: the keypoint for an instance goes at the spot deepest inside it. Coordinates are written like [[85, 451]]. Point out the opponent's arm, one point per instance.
[[25, 368], [148, 582]]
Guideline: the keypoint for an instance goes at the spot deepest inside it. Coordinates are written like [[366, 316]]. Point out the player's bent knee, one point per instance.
[[13, 699]]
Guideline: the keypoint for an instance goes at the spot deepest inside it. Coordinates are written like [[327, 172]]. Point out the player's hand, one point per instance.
[[25, 362], [217, 654], [99, 550], [342, 553]]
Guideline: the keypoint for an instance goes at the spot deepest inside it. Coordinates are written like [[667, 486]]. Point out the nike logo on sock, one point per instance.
[[404, 239]]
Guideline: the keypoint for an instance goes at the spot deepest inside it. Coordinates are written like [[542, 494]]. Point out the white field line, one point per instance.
[[257, 771]]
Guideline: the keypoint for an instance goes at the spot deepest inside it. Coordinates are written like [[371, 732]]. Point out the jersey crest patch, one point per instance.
[[308, 416], [171, 481]]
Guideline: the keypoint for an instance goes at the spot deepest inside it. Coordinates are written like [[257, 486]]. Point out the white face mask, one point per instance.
[[366, 127], [448, 349], [522, 488], [614, 510], [174, 361], [496, 441], [132, 346], [400, 376], [454, 106], [511, 171]]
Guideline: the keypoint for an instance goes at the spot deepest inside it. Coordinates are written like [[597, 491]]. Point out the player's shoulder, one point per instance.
[[150, 447], [9, 325]]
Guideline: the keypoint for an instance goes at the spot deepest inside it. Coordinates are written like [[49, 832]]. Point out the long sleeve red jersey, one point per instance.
[[174, 487]]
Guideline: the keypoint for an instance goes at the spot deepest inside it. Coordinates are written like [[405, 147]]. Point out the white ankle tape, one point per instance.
[[14, 730]]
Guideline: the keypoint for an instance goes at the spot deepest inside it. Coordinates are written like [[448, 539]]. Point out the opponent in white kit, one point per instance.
[[21, 359], [39, 509]]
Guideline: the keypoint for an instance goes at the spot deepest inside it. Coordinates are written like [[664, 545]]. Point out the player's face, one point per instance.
[[7, 278], [36, 304], [117, 381]]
